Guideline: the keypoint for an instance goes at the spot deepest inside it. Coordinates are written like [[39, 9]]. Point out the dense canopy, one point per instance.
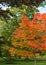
[[20, 2]]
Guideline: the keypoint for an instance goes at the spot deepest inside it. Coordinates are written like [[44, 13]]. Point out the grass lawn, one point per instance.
[[26, 63]]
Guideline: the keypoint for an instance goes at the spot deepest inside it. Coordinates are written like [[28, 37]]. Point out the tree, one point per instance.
[[29, 40]]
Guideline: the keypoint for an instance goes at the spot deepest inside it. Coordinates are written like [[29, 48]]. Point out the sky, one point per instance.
[[5, 6], [42, 9]]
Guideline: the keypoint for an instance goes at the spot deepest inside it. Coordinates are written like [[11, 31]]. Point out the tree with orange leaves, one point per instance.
[[30, 38]]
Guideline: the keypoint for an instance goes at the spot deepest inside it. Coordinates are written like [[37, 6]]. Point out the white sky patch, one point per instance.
[[4, 6], [42, 9]]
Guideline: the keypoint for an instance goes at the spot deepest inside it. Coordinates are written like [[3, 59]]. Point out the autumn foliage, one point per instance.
[[30, 38]]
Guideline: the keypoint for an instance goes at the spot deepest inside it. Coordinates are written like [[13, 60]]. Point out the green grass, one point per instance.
[[26, 63]]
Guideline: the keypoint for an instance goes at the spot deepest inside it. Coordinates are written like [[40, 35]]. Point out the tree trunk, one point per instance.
[[34, 60]]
